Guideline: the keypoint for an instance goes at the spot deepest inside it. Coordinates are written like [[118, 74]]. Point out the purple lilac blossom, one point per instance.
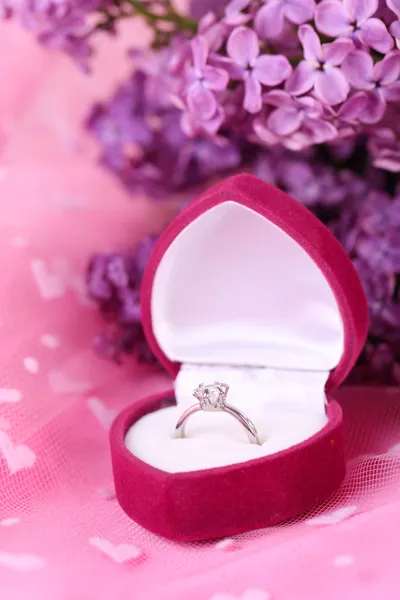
[[254, 69], [318, 99], [113, 282], [394, 6], [217, 79], [270, 19], [353, 18], [203, 81], [143, 142], [234, 13], [296, 123], [385, 150], [320, 68], [373, 243], [380, 82], [60, 24]]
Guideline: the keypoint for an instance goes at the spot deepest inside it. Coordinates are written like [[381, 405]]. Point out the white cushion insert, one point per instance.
[[286, 407]]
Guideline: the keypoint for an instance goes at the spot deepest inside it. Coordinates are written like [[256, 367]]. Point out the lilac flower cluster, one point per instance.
[[113, 282], [293, 74], [70, 25], [143, 143], [60, 24], [370, 232]]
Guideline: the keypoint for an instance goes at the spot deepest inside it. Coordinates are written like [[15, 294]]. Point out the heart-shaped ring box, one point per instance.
[[248, 288]]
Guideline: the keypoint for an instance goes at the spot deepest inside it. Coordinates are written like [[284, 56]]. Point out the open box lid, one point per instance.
[[248, 276]]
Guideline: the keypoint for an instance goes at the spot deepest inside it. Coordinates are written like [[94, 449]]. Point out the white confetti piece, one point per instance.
[[10, 395], [344, 560], [49, 341], [226, 544], [18, 457], [102, 413], [21, 562], [107, 494], [250, 594], [19, 241], [61, 383], [10, 522], [120, 553], [31, 364], [334, 517]]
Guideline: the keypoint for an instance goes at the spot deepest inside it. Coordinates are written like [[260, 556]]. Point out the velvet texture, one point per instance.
[[224, 501], [219, 502]]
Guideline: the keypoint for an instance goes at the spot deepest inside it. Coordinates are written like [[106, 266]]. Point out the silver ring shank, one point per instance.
[[230, 410]]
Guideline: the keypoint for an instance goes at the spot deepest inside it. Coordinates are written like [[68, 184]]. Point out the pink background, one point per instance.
[[62, 533]]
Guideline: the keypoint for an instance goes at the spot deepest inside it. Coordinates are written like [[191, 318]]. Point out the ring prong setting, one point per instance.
[[211, 396]]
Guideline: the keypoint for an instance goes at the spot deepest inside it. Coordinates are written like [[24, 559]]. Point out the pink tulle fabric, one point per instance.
[[62, 532]]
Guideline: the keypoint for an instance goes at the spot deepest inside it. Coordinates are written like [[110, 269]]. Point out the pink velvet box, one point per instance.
[[245, 286]]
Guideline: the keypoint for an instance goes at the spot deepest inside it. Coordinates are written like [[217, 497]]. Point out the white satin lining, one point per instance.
[[236, 300], [233, 288]]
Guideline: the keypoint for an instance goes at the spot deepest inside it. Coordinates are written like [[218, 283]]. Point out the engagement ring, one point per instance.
[[212, 398]]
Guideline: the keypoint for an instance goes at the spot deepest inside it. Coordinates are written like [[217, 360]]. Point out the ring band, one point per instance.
[[212, 398]]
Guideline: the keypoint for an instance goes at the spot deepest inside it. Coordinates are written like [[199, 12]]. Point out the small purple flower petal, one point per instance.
[[143, 253], [201, 101], [98, 285], [374, 33], [310, 42], [116, 272], [360, 10], [216, 79], [199, 52], [335, 53], [299, 11], [285, 120], [212, 30], [242, 46], [263, 133], [331, 18], [252, 94], [395, 29], [387, 71], [331, 86], [394, 5], [301, 80], [234, 15], [322, 131], [311, 105], [374, 108], [392, 93], [211, 126], [226, 64], [358, 68], [208, 20], [193, 126], [272, 70], [130, 312], [269, 20], [389, 160], [277, 98], [352, 109]]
